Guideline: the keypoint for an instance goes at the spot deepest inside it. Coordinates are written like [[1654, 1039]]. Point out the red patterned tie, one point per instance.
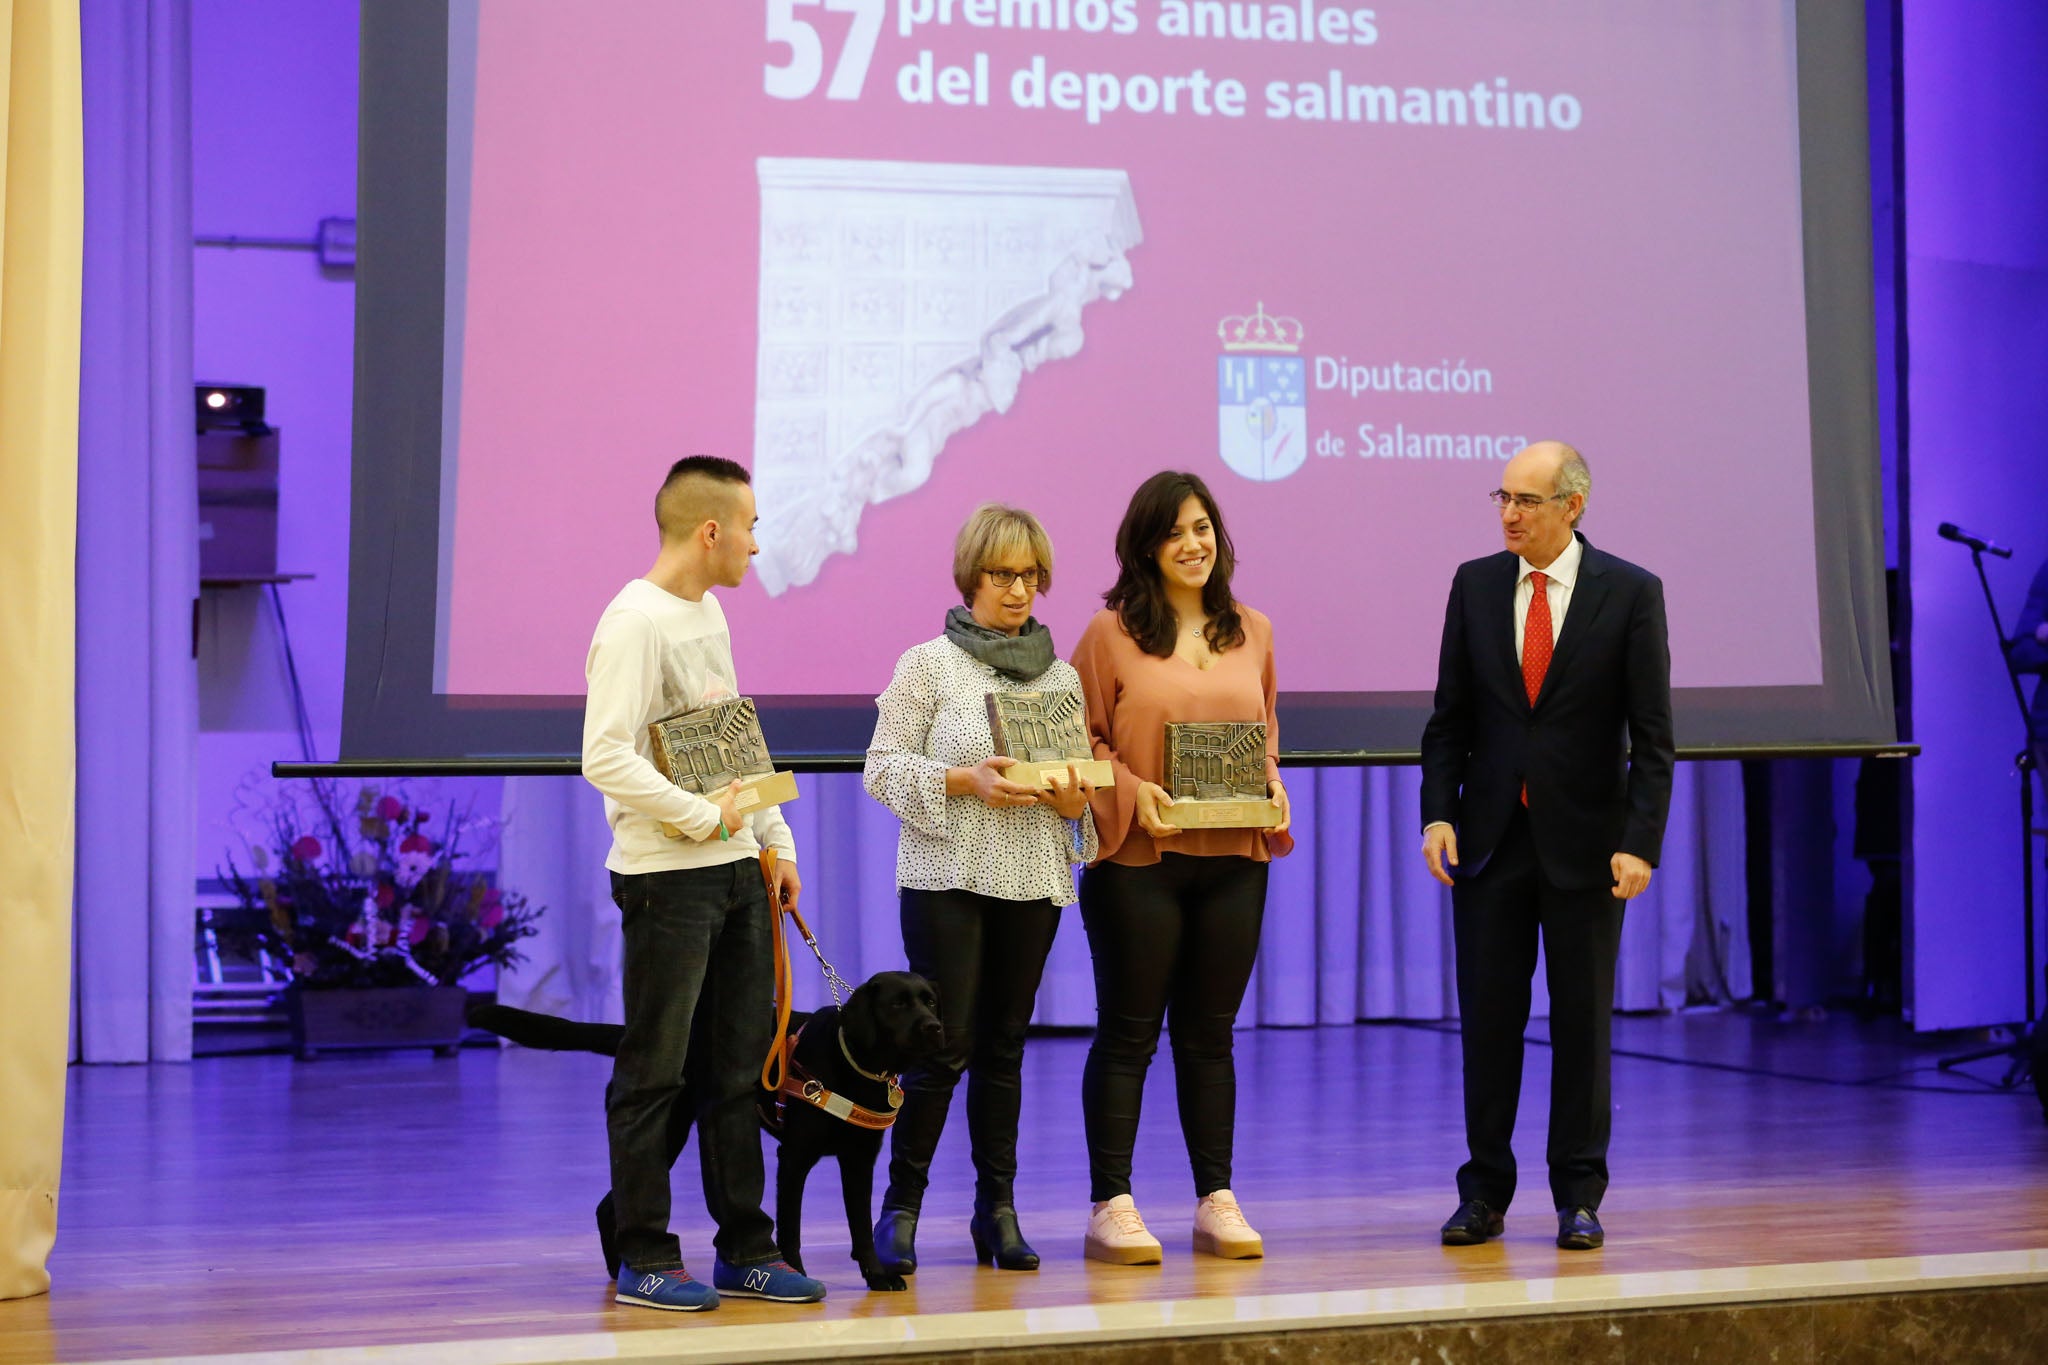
[[1536, 641], [1536, 645]]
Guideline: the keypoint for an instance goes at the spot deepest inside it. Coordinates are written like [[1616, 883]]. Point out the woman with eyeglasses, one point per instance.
[[1172, 915], [984, 866]]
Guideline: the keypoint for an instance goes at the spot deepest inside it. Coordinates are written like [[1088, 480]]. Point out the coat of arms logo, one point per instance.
[[1261, 395]]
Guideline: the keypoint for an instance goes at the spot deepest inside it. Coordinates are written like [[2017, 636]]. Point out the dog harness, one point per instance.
[[798, 1084]]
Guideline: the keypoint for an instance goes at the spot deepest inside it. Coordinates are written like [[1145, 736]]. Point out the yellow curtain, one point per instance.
[[42, 229]]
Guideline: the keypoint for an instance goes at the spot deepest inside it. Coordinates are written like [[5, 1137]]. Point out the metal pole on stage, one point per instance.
[[2021, 1048]]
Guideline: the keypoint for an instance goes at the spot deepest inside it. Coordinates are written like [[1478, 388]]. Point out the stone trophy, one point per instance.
[[1047, 733], [702, 751], [1216, 775]]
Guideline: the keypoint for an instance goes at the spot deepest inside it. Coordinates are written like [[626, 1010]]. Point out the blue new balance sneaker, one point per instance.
[[670, 1289], [774, 1280]]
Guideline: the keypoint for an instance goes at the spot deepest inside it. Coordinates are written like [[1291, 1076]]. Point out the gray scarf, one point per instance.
[[1022, 656]]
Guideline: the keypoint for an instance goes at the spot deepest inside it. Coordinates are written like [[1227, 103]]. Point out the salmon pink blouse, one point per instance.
[[1132, 695]]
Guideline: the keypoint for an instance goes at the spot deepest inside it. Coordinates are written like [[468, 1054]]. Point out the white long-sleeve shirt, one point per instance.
[[934, 716], [656, 655]]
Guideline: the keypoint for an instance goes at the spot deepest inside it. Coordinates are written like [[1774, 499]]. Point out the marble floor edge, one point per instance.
[[1083, 1324]]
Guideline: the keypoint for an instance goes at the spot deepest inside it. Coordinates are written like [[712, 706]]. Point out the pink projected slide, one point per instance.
[[904, 256]]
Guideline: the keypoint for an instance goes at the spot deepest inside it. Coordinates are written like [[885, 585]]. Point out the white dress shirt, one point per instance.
[[1559, 577]]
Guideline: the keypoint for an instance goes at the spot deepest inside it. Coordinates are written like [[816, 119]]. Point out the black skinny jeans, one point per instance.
[[1174, 941], [699, 986], [985, 955]]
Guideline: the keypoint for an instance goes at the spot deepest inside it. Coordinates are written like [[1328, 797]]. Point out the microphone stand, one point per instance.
[[2021, 1048]]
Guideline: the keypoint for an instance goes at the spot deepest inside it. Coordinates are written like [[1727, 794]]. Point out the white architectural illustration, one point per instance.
[[900, 303]]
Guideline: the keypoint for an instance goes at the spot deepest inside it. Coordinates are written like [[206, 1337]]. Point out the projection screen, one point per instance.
[[900, 257]]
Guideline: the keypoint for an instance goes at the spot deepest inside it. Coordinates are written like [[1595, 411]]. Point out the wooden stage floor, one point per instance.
[[254, 1204]]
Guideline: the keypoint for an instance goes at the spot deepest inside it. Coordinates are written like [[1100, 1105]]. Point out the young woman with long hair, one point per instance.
[[1172, 915]]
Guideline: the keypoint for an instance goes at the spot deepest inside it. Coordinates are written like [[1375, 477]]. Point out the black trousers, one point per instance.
[[1496, 917], [1173, 942], [699, 987], [986, 956]]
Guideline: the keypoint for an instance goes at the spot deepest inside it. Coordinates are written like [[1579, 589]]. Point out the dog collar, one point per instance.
[[881, 1077]]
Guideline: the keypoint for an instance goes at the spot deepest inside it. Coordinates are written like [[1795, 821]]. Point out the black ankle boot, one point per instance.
[[896, 1241], [997, 1240]]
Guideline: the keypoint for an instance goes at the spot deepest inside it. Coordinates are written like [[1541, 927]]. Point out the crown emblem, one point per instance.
[[1259, 332]]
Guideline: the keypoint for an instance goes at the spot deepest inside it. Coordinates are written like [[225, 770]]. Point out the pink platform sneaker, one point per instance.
[[1116, 1234], [1221, 1230]]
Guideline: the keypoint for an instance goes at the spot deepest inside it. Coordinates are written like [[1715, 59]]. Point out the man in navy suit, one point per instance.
[[1546, 779]]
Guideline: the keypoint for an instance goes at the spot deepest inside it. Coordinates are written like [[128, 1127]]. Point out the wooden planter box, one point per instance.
[[376, 1017]]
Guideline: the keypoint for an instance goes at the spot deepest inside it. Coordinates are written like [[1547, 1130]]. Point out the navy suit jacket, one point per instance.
[[1596, 748]]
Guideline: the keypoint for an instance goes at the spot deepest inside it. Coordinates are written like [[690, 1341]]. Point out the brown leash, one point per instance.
[[780, 1074], [775, 1067]]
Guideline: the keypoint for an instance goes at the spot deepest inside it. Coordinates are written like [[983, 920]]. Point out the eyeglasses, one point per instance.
[[1003, 578], [1528, 502]]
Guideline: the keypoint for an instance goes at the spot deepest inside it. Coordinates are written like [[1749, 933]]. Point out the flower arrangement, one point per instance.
[[361, 892]]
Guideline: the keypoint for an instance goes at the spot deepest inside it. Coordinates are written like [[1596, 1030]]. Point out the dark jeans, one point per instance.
[[1496, 917], [699, 985], [1173, 941], [985, 955]]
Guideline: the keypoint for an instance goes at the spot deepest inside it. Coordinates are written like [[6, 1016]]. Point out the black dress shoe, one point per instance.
[[997, 1241], [896, 1241], [1474, 1222], [1579, 1229]]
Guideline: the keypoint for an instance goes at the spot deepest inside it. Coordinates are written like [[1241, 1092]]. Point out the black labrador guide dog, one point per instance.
[[840, 1095]]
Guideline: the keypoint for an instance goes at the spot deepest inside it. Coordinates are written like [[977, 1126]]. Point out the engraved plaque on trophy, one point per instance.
[[1216, 774], [703, 751], [1047, 733]]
